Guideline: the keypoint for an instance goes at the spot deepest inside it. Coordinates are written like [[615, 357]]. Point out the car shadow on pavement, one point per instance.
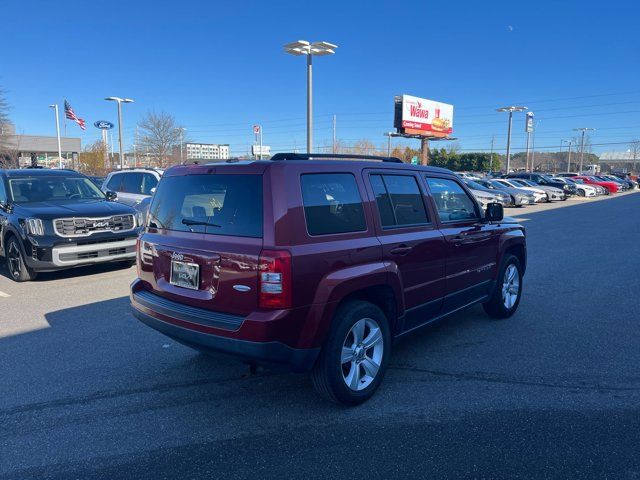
[[70, 272]]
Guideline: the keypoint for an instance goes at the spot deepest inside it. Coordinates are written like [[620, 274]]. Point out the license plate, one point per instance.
[[185, 274]]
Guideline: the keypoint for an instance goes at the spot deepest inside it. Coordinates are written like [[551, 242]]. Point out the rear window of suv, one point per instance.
[[212, 204]]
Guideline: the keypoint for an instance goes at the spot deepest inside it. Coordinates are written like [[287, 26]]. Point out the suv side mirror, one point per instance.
[[494, 212], [111, 196]]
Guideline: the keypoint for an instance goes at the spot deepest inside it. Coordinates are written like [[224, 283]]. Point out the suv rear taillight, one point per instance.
[[275, 279]]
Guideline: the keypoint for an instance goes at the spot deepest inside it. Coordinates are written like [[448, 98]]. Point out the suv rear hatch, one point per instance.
[[204, 239]]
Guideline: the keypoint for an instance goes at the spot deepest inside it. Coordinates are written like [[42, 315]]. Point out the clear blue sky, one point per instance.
[[218, 66]]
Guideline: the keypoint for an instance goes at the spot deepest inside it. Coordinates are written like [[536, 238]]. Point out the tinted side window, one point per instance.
[[405, 199], [115, 182], [383, 201], [332, 203], [3, 192], [148, 182], [132, 182], [452, 201]]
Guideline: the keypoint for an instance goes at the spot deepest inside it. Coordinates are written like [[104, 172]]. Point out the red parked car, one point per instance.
[[612, 187], [318, 262]]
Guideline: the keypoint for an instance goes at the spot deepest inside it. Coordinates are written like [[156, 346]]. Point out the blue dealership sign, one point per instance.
[[103, 125]]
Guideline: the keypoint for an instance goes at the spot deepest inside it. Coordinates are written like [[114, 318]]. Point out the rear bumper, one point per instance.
[[186, 327]]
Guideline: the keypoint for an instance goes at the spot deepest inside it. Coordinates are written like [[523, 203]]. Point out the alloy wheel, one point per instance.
[[510, 286], [14, 260], [362, 354]]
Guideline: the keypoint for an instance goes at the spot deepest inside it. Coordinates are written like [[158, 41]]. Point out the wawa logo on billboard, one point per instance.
[[416, 110]]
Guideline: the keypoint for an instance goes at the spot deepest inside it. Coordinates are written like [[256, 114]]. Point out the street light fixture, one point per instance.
[[55, 107], [510, 109], [303, 47], [120, 102], [583, 130]]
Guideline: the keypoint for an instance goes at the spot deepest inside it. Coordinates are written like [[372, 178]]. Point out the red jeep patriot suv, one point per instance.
[[319, 261]]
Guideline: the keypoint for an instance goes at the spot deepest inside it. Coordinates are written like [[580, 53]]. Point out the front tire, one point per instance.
[[18, 269], [508, 290], [355, 356]]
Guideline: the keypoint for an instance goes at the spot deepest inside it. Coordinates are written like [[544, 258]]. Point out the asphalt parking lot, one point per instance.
[[554, 392]]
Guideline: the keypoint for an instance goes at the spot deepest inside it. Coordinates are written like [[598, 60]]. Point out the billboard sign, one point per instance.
[[256, 129], [529, 124], [421, 116]]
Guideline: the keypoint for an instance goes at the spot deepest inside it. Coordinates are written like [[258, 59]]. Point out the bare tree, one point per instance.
[[4, 120], [158, 134]]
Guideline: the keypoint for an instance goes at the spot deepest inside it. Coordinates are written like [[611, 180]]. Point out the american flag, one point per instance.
[[70, 114]]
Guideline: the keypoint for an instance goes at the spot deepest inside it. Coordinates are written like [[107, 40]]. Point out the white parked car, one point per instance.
[[583, 189], [539, 194]]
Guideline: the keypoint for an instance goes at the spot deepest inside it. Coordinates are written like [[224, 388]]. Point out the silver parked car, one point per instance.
[[519, 197], [132, 186]]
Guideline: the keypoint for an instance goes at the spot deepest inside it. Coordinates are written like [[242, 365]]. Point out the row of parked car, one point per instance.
[[314, 262], [523, 188]]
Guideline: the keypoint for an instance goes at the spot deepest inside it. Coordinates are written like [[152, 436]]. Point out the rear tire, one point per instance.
[[355, 356], [508, 289], [18, 269]]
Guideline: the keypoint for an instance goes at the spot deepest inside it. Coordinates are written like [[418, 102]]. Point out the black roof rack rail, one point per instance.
[[278, 157]]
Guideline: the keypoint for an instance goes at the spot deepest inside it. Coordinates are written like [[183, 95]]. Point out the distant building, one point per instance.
[[45, 148], [205, 151], [620, 161]]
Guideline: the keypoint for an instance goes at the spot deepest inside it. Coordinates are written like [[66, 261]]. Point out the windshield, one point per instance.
[[497, 184], [474, 185], [53, 189], [213, 204]]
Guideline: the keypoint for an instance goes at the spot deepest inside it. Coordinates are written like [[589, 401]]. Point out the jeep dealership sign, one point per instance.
[[420, 116]]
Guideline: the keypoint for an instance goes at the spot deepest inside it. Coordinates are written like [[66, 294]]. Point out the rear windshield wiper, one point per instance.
[[186, 221]]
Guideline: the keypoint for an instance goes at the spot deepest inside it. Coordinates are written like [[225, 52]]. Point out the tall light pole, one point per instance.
[[569, 157], [303, 47], [120, 102], [510, 109], [181, 129], [583, 130], [55, 108]]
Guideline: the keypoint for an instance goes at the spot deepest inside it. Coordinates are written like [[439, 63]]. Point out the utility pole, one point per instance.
[[388, 135], [135, 146], [583, 130], [334, 134], [533, 145], [493, 139], [569, 157]]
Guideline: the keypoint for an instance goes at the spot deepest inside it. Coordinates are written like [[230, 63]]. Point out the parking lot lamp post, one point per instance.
[[120, 102], [510, 109], [568, 142], [583, 130], [303, 47], [55, 108], [181, 130]]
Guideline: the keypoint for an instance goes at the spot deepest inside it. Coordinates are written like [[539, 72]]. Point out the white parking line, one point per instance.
[[4, 295]]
